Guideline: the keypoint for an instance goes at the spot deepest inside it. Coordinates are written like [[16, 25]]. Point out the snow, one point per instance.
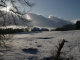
[[37, 45]]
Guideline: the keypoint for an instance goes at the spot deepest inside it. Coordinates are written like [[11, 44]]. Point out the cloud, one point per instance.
[[51, 21]]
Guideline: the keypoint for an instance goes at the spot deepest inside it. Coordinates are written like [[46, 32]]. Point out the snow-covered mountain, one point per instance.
[[38, 20], [74, 21], [51, 21]]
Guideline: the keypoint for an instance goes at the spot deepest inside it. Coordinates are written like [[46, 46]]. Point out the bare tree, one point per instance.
[[10, 12], [14, 8]]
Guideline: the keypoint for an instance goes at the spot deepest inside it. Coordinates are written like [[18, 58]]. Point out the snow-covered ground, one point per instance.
[[37, 45]]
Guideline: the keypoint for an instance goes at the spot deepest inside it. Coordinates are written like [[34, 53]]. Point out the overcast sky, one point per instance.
[[67, 9]]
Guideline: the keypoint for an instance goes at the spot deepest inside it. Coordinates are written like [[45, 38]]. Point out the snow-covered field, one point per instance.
[[37, 45]]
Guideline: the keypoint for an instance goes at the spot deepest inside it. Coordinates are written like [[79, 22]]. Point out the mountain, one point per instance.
[[51, 21], [74, 21], [38, 20]]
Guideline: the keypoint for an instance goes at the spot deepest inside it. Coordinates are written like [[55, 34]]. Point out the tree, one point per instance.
[[10, 11], [78, 25], [14, 8]]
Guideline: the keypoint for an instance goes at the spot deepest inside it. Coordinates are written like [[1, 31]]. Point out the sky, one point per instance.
[[49, 13], [66, 9]]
